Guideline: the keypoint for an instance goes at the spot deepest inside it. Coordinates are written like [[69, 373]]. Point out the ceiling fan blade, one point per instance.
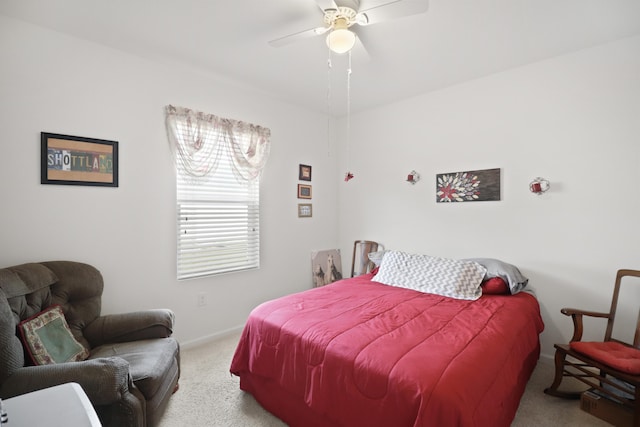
[[361, 52], [392, 10], [292, 38], [326, 4]]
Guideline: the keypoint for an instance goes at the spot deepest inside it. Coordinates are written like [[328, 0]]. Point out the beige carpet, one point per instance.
[[210, 397]]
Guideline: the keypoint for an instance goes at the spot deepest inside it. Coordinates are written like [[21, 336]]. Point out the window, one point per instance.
[[218, 165], [218, 223]]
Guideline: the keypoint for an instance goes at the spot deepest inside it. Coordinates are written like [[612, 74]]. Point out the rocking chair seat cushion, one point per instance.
[[614, 354]]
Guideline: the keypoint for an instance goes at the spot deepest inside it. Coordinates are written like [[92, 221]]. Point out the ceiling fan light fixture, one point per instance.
[[341, 40]]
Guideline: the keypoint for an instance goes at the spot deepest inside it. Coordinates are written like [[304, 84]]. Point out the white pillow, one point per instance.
[[441, 276], [509, 273]]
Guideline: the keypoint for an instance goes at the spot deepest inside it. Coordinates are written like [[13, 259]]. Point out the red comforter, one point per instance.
[[360, 353]]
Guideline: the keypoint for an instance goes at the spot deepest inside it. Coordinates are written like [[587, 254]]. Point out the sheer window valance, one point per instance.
[[198, 140]]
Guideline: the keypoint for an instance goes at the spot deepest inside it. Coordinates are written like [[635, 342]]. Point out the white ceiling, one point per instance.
[[453, 42]]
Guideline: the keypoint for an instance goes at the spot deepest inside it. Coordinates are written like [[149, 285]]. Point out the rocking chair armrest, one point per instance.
[[575, 311], [576, 316]]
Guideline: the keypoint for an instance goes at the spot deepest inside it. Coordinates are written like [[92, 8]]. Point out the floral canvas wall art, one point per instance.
[[470, 186]]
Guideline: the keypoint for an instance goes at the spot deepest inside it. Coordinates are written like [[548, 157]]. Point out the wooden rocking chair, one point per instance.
[[610, 367]]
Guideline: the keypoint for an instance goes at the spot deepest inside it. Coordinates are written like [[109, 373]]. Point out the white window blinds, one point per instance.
[[218, 210]]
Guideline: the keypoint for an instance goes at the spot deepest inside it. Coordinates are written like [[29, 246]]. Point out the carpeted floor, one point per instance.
[[210, 397]]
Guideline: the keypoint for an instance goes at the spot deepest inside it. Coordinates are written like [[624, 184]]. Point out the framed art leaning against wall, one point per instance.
[[75, 160]]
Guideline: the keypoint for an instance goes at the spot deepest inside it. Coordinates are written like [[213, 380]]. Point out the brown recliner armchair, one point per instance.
[[134, 363]]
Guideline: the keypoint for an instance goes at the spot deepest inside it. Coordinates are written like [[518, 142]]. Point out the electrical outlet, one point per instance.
[[201, 299]]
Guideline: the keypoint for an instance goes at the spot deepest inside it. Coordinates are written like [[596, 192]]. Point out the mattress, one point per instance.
[[361, 353]]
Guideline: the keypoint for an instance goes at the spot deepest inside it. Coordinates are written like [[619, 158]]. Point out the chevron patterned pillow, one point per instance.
[[441, 276]]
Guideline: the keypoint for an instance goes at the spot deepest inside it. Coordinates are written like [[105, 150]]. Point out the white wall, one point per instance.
[[54, 83], [574, 120]]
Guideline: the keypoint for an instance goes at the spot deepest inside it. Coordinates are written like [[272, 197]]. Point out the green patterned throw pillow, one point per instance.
[[48, 339]]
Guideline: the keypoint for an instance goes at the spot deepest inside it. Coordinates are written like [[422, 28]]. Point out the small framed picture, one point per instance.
[[305, 210], [304, 191], [75, 160], [304, 173]]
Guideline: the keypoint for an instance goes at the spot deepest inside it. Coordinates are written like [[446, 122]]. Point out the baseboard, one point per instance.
[[210, 338], [547, 356]]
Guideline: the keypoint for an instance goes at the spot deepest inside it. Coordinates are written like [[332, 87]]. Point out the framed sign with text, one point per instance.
[[75, 160]]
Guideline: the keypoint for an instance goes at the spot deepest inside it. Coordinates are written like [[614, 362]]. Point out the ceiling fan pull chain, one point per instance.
[[329, 65], [348, 111]]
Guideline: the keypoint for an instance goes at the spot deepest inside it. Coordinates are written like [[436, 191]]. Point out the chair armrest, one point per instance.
[[104, 380], [139, 325], [576, 316]]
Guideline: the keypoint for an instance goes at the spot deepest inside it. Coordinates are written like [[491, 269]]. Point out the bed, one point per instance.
[[359, 352]]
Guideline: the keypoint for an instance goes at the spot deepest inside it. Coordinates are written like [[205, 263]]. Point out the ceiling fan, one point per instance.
[[341, 15]]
